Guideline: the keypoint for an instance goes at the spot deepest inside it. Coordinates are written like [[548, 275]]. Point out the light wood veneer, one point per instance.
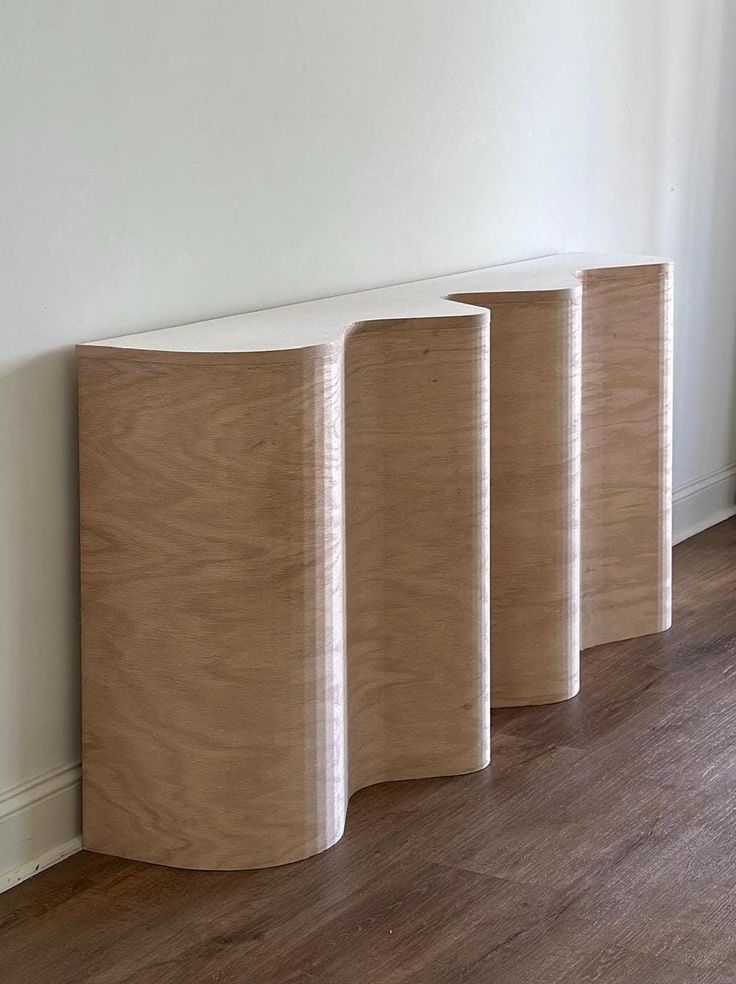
[[535, 514], [626, 453], [285, 542]]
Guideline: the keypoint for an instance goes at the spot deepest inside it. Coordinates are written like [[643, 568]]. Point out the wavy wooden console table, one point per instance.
[[285, 542]]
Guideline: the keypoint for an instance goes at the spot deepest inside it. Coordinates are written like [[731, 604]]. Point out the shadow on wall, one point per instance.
[[39, 567], [696, 196]]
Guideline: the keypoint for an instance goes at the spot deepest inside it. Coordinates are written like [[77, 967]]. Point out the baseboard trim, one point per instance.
[[703, 502], [25, 794], [40, 823], [9, 879]]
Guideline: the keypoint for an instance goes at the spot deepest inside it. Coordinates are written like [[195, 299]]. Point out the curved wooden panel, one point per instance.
[[626, 452], [213, 677], [417, 537], [215, 703], [535, 454]]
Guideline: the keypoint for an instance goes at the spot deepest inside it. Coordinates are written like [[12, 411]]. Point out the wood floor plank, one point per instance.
[[599, 848]]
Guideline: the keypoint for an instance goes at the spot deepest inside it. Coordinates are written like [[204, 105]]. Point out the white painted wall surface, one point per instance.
[[168, 161]]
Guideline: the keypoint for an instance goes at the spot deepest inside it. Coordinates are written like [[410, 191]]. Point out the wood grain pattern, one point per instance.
[[417, 538], [214, 665], [597, 849], [535, 455], [285, 542], [626, 452]]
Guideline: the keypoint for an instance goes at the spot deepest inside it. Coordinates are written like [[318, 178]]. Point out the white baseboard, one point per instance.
[[40, 824], [703, 502], [40, 821]]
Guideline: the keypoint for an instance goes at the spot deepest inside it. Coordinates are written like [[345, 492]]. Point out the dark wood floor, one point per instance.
[[599, 847]]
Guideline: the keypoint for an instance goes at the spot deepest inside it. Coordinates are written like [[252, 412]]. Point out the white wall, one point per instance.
[[168, 161]]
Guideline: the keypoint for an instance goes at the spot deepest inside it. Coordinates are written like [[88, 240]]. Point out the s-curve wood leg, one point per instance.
[[216, 556], [417, 539], [212, 591], [535, 453], [626, 575]]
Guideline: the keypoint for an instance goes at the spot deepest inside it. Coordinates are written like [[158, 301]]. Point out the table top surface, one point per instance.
[[320, 322]]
